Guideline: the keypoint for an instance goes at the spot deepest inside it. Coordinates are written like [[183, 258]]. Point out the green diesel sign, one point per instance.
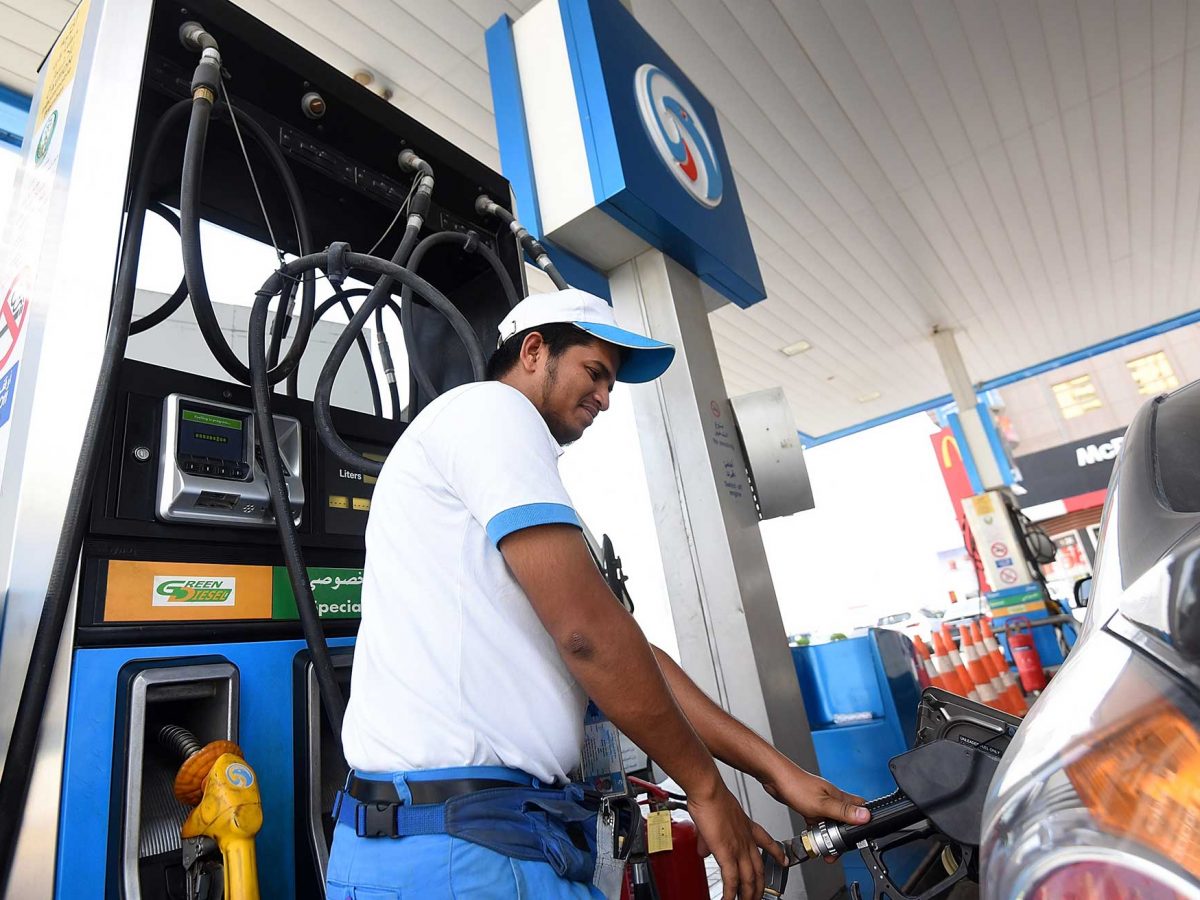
[[337, 592]]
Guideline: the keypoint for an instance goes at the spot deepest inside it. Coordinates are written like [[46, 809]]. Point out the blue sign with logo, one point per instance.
[[8, 382], [655, 157]]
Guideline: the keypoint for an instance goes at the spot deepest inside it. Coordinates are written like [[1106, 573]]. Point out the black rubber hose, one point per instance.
[[485, 205], [343, 298], [321, 414], [193, 259], [310, 622], [422, 195], [471, 243], [176, 300], [18, 763]]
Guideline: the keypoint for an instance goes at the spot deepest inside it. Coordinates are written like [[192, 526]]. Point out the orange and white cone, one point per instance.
[[976, 669], [927, 664], [952, 675], [956, 660], [1012, 686], [1003, 700]]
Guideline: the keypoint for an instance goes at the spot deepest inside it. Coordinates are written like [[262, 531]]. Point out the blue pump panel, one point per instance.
[[88, 841], [861, 696]]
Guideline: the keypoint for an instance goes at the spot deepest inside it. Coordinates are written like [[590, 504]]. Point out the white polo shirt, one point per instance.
[[452, 666]]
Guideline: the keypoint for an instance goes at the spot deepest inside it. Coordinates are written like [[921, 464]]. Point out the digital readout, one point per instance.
[[211, 436]]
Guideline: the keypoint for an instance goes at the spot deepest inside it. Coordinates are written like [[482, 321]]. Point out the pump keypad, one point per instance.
[[215, 468]]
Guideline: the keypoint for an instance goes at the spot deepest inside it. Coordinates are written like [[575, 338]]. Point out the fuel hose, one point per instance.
[[471, 244], [204, 87], [321, 397], [343, 298], [485, 205]]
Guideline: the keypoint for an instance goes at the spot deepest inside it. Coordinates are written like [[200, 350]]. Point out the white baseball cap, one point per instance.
[[643, 359]]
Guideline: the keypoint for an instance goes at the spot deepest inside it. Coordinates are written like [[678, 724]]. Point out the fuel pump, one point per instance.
[[214, 522]]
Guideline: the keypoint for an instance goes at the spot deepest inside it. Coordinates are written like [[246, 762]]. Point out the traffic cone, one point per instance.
[[945, 666], [932, 675], [989, 666], [1003, 700], [976, 669], [1013, 688], [964, 676]]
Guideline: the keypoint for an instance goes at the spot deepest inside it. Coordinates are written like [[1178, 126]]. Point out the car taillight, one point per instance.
[[1142, 781], [1101, 881]]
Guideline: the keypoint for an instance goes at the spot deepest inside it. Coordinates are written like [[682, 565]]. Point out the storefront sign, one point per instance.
[[1068, 470]]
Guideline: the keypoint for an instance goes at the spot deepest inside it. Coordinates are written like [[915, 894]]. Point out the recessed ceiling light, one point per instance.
[[867, 398], [796, 348]]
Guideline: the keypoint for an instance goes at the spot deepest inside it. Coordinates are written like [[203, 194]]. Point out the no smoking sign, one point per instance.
[[13, 312]]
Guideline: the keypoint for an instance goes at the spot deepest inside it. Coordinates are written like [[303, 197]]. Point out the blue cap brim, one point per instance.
[[644, 360]]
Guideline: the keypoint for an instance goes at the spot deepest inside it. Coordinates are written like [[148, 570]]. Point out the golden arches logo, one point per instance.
[[949, 441]]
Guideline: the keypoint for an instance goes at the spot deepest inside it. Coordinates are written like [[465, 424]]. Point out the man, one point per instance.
[[486, 625]]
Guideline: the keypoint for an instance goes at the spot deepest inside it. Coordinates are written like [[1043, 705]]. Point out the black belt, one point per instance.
[[366, 790]]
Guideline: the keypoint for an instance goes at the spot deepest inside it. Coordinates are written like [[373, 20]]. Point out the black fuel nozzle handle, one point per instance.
[[889, 814]]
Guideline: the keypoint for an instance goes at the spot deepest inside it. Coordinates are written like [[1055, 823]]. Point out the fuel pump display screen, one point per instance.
[[212, 444]]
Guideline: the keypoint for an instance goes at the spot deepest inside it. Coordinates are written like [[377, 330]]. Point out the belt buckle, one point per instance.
[[377, 820]]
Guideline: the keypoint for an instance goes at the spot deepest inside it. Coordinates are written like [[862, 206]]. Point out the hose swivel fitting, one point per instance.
[[194, 38], [207, 77]]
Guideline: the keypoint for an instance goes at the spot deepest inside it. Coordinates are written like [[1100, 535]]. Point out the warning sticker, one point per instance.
[[12, 314], [62, 61]]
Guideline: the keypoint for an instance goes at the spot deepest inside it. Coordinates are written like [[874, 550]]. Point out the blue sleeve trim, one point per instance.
[[505, 523]]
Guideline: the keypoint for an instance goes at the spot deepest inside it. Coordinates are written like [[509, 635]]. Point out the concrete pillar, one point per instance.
[[970, 412], [727, 620]]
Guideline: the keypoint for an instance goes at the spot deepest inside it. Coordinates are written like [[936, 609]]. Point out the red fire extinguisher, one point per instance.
[[1025, 655], [678, 872]]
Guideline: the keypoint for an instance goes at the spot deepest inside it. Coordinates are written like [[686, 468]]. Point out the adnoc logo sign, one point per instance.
[[678, 135], [182, 591]]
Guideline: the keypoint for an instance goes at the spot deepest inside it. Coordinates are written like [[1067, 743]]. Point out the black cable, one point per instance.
[[470, 243], [176, 300], [279, 326], [18, 763], [193, 260]]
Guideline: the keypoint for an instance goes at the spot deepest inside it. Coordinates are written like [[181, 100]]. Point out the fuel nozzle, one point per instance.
[[197, 759], [216, 780], [831, 839]]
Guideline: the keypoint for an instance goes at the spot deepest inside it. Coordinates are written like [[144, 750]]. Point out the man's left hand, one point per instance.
[[815, 798]]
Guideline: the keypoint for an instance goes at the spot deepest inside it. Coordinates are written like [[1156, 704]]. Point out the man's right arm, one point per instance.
[[609, 656]]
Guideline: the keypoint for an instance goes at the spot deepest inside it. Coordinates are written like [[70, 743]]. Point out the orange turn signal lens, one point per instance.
[[1142, 781]]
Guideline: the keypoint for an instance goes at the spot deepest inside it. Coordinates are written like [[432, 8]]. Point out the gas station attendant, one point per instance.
[[486, 625]]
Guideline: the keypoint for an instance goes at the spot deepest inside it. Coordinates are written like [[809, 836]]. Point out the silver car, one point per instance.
[[1098, 795]]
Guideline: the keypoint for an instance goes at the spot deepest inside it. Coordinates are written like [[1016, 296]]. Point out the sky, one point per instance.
[[869, 547]]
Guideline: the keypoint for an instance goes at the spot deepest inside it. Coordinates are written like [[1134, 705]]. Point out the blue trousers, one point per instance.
[[438, 866]]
